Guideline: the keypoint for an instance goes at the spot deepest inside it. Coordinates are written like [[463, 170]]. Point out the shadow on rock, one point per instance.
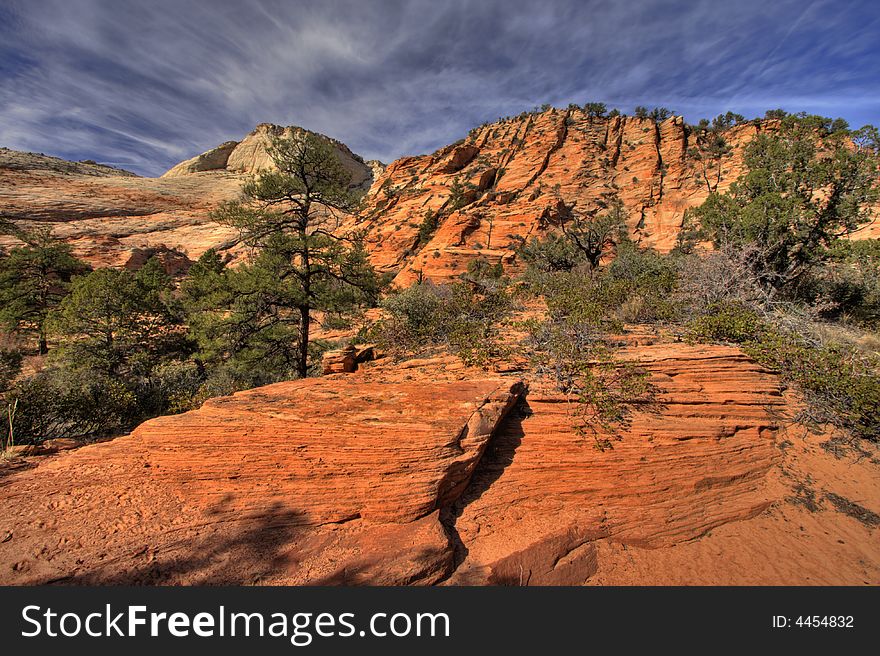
[[236, 552]]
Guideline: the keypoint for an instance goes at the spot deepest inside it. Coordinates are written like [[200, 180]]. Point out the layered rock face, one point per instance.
[[521, 175], [524, 172], [543, 498], [332, 480], [429, 472], [106, 218], [108, 215]]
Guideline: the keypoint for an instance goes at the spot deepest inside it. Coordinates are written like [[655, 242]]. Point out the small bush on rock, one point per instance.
[[463, 317]]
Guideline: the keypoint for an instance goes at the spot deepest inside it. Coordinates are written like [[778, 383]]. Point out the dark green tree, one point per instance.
[[711, 148], [33, 280], [867, 139], [119, 323], [301, 261], [595, 109], [805, 186], [724, 121], [460, 194], [660, 113], [594, 235]]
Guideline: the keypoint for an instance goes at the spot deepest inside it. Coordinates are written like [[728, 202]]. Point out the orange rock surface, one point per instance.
[[331, 480], [705, 488], [389, 475], [525, 170]]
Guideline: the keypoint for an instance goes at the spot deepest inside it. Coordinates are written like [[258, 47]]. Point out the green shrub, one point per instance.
[[571, 349], [849, 284], [10, 366], [640, 283], [461, 194], [463, 317], [840, 385], [481, 271], [581, 299], [222, 380], [727, 322], [555, 252], [635, 288], [173, 387], [57, 403]]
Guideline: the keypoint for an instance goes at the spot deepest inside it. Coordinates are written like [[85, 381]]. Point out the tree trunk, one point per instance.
[[302, 366]]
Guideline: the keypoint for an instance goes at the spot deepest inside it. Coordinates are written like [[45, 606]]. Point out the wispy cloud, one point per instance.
[[145, 85]]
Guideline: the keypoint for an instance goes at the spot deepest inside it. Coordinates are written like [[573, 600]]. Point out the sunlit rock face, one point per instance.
[[522, 172], [109, 215]]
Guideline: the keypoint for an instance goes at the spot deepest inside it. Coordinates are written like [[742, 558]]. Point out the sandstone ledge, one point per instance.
[[430, 472], [316, 481]]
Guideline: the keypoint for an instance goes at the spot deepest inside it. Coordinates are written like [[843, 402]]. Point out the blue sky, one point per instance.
[[144, 85]]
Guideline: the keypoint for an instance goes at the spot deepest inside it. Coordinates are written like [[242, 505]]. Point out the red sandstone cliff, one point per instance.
[[523, 172]]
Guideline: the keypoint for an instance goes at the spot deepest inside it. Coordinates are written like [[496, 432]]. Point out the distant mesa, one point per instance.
[[17, 160]]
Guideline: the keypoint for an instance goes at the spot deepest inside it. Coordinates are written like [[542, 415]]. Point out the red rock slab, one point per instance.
[[698, 458], [330, 480]]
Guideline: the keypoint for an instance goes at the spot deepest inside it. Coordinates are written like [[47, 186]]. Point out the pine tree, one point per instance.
[[805, 186], [33, 280], [301, 261], [595, 109], [118, 323]]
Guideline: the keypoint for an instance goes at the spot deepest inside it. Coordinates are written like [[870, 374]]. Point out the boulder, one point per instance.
[[458, 158], [346, 360]]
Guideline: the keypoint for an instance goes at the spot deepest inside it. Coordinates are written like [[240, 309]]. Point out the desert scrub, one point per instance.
[[849, 285], [463, 318], [840, 384], [10, 366], [57, 403], [599, 388], [639, 284], [572, 349], [637, 287], [553, 253], [728, 322]]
